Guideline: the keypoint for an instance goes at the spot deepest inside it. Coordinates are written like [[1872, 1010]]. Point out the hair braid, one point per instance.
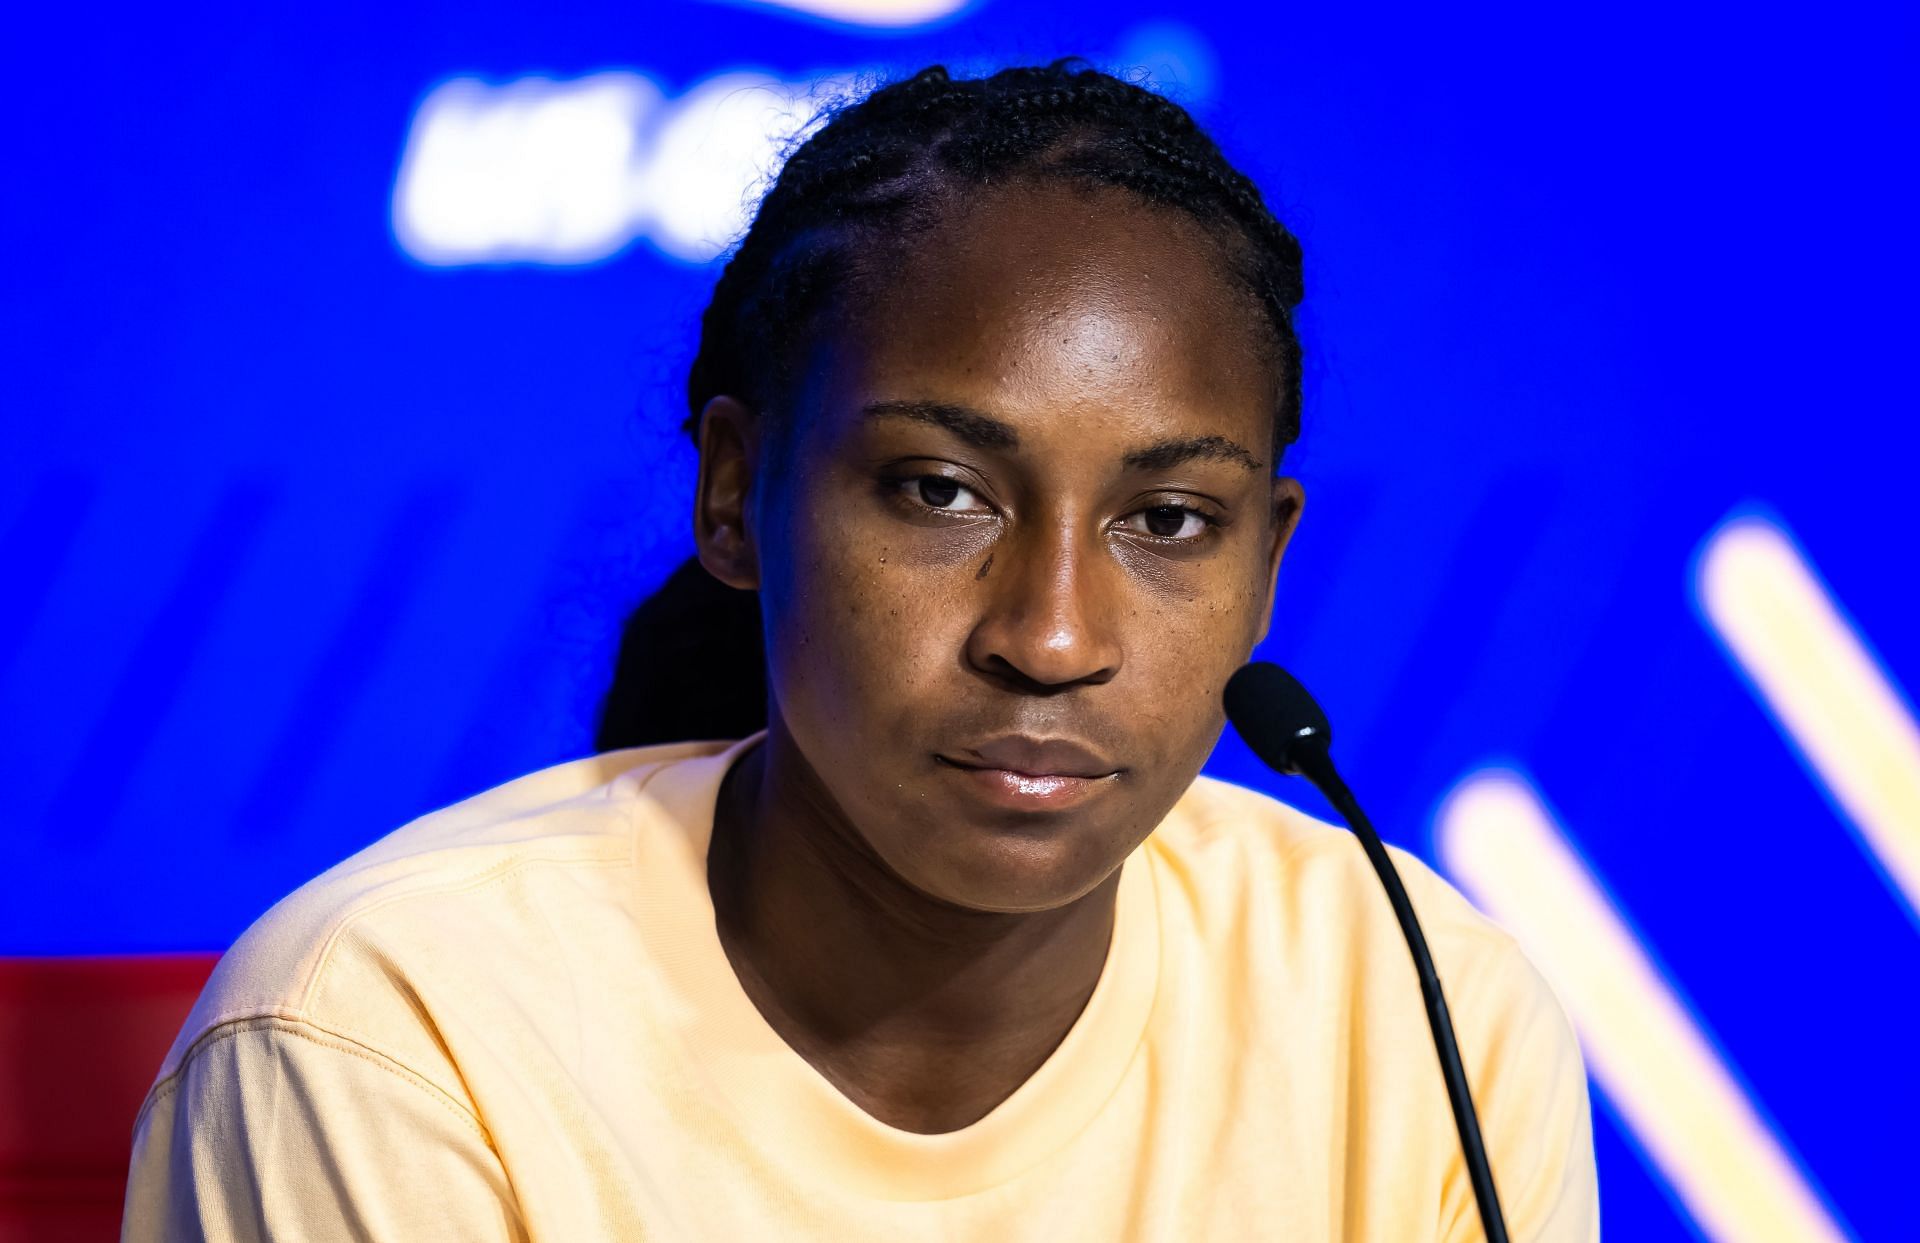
[[881, 167]]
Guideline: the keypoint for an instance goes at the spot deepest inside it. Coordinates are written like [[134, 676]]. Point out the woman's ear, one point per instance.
[[1288, 500], [729, 460]]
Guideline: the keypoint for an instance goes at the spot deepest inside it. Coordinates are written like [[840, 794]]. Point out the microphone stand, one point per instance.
[[1316, 765]]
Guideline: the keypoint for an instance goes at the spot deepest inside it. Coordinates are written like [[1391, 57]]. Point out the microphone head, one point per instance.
[[1276, 716]]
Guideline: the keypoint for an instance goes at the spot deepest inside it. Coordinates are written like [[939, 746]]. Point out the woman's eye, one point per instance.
[[949, 495], [1175, 522]]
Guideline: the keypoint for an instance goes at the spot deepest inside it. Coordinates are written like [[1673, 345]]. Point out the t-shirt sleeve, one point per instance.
[[1530, 1090], [275, 1129]]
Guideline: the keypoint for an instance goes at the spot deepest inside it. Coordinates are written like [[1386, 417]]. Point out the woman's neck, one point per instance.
[[924, 1014]]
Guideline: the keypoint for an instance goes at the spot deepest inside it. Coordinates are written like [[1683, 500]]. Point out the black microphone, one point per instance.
[[1284, 727]]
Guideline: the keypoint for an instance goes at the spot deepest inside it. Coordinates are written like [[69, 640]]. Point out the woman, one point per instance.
[[990, 404]]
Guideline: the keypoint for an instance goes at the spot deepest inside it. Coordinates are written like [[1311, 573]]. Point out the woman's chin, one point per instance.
[[1001, 871]]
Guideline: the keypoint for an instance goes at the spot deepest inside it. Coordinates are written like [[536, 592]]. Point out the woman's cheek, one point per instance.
[[1195, 642], [876, 623]]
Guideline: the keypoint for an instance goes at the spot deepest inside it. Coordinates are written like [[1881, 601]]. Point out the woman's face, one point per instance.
[[1022, 531]]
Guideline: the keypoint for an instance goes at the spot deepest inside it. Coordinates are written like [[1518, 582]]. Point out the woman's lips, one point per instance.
[[1021, 791]]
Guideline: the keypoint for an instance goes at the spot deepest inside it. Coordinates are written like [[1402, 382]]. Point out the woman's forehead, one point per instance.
[[1057, 298], [1049, 242]]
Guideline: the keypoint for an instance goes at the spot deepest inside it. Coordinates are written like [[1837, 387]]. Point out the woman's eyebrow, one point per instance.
[[986, 432], [1164, 454], [983, 431]]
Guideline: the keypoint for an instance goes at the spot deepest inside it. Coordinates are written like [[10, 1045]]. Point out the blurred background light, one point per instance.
[[532, 170], [1658, 1068], [543, 171], [870, 14], [1835, 704], [1173, 58]]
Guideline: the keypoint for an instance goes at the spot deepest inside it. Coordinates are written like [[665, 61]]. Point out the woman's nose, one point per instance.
[[1050, 617]]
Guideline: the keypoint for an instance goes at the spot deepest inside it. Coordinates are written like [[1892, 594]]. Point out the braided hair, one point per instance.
[[849, 201]]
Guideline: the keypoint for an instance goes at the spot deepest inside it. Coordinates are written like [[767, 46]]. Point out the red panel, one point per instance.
[[80, 1040]]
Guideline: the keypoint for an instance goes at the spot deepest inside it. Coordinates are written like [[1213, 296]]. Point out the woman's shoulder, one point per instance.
[[1236, 848], [360, 950], [1245, 838]]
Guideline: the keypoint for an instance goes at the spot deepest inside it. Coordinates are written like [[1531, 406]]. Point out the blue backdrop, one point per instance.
[[323, 502]]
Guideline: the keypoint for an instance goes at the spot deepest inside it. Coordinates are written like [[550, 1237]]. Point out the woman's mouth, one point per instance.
[[1023, 774]]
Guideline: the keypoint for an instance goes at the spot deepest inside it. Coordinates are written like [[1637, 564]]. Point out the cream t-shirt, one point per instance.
[[513, 1019]]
